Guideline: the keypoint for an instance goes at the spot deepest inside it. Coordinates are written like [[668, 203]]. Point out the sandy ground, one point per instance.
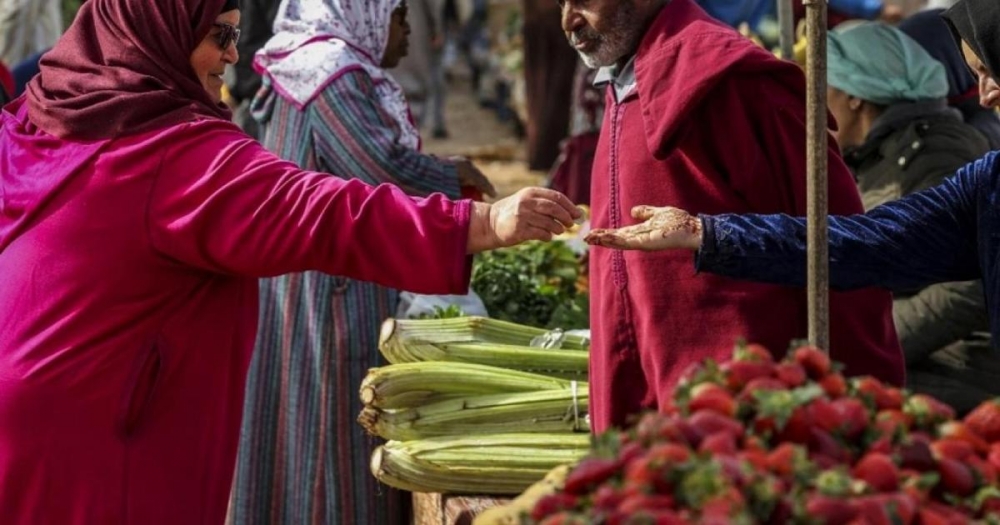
[[476, 133]]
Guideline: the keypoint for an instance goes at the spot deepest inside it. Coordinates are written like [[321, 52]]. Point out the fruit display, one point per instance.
[[758, 441]]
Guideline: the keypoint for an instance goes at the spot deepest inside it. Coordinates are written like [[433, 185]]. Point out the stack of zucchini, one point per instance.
[[475, 405]]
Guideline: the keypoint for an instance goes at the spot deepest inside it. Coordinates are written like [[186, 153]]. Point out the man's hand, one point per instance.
[[662, 229], [469, 175], [529, 215]]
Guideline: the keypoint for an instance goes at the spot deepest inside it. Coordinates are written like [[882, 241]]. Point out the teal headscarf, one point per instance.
[[880, 64]]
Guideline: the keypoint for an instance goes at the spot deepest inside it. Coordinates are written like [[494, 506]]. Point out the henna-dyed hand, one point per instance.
[[662, 229]]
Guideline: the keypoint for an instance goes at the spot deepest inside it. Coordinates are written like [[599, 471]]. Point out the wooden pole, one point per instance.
[[786, 23], [816, 182]]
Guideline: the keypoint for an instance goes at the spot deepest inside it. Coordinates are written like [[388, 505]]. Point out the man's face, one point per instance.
[[602, 31]]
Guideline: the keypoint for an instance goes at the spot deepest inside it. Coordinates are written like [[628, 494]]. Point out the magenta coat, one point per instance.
[[128, 306]]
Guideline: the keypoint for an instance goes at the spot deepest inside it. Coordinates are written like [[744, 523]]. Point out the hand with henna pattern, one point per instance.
[[662, 229]]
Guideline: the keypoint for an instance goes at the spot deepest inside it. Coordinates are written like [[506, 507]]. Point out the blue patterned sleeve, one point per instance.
[[922, 239], [355, 138]]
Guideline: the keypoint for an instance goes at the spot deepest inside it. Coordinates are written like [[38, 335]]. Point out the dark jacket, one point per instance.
[[913, 146], [947, 233]]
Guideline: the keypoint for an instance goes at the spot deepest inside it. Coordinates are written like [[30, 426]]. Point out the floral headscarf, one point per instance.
[[316, 41]]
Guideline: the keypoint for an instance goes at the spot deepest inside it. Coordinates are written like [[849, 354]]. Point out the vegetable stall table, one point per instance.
[[445, 509]]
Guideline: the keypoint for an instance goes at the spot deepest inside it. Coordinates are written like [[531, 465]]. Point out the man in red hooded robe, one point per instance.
[[699, 118]]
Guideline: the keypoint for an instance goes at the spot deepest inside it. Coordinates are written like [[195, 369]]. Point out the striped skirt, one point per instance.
[[303, 459]]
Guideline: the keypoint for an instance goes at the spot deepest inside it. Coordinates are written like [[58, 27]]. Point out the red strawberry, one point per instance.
[[607, 498], [878, 470], [823, 443], [882, 444], [646, 502], [982, 470], [590, 473], [950, 448], [754, 443], [830, 511], [815, 361], [796, 430], [760, 384], [891, 422], [987, 501], [882, 396], [845, 417], [791, 374], [756, 458], [783, 459], [927, 411], [629, 452], [985, 420], [648, 473], [720, 443], [654, 427], [886, 509], [753, 352], [956, 477], [994, 456], [669, 453], [934, 513], [709, 396], [728, 503], [553, 503], [834, 385], [738, 373], [961, 431], [915, 453], [707, 422]]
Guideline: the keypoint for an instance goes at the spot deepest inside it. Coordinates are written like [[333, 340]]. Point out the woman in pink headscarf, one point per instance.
[[135, 220]]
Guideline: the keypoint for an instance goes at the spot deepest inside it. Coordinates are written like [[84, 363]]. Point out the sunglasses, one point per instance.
[[228, 34]]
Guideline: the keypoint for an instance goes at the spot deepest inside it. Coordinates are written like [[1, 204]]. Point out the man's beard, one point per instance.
[[619, 40]]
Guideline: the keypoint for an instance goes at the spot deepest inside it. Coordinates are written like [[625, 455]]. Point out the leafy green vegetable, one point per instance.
[[533, 284]]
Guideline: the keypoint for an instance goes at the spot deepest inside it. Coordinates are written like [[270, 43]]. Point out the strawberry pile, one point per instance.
[[759, 441]]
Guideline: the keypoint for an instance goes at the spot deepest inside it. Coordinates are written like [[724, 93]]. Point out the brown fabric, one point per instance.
[[123, 68], [549, 65]]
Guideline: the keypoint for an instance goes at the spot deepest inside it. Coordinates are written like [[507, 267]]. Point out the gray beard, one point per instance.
[[618, 42]]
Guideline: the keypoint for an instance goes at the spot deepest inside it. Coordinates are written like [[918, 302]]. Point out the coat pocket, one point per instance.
[[140, 388]]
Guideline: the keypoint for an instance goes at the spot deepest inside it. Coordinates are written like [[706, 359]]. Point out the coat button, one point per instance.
[[916, 144], [902, 161]]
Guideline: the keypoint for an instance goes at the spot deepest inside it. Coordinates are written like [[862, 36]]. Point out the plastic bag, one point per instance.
[[412, 305]]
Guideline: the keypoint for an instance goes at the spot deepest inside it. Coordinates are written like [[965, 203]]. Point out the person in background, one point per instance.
[[243, 81], [899, 136], [28, 27], [549, 65], [736, 12], [931, 31], [420, 72], [329, 104], [699, 116], [137, 220], [950, 232], [571, 174]]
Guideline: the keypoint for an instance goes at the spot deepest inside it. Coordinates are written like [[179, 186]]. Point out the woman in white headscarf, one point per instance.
[[328, 104]]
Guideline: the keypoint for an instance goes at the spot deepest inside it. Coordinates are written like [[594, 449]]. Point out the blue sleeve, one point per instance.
[[922, 239], [867, 9]]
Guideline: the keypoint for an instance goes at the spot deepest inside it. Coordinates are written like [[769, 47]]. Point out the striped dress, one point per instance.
[[303, 458]]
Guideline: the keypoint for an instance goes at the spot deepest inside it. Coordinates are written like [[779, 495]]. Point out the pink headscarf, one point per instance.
[[124, 67], [316, 41]]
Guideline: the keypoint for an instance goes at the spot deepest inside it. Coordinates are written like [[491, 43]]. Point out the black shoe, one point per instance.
[[440, 133]]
